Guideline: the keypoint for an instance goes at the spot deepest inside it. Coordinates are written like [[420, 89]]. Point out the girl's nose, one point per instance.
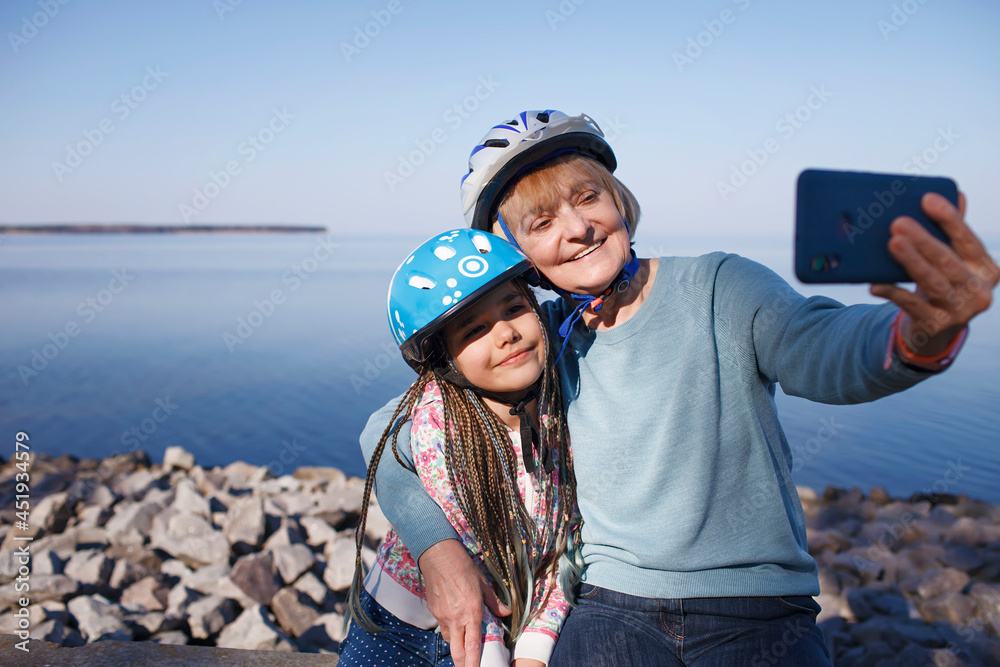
[[505, 333]]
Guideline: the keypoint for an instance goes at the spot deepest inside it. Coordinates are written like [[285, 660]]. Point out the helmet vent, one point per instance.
[[511, 122], [543, 116], [421, 282], [444, 253], [482, 243], [496, 143]]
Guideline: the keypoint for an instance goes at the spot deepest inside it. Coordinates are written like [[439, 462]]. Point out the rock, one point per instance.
[[286, 534], [254, 630], [240, 474], [57, 633], [294, 611], [943, 658], [175, 568], [326, 631], [179, 598], [376, 526], [134, 554], [43, 587], [961, 558], [209, 615], [98, 619], [178, 457], [228, 589], [147, 594], [187, 500], [309, 584], [127, 573], [966, 531], [318, 532], [857, 605], [987, 597], [807, 495], [294, 503], [246, 523], [101, 496], [46, 561], [951, 607], [93, 517], [887, 603], [830, 607], [52, 512], [175, 637], [339, 572], [200, 544], [91, 568], [206, 579], [146, 623], [314, 473], [138, 484], [292, 560], [879, 496], [254, 574], [10, 563], [938, 582], [191, 539], [131, 522]]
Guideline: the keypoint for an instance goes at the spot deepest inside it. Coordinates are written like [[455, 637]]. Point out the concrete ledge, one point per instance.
[[131, 654]]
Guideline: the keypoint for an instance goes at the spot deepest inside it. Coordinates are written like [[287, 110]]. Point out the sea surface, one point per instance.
[[274, 349]]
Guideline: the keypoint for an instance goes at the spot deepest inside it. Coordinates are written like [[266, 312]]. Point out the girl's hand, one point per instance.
[[954, 284], [527, 662]]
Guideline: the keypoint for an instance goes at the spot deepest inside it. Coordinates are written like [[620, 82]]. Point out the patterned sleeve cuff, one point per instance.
[[897, 347]]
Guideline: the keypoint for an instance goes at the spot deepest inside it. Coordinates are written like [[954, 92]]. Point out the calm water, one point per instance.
[[160, 357]]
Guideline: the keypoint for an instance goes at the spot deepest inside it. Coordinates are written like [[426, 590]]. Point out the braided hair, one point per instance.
[[516, 550]]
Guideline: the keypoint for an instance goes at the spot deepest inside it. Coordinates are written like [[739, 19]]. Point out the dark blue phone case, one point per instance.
[[842, 223]]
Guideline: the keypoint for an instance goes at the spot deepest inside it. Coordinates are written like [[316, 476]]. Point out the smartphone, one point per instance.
[[842, 223]]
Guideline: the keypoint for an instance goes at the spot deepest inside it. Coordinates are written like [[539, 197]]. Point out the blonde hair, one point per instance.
[[540, 188]]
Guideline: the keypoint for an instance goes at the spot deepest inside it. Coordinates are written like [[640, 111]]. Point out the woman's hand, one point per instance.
[[954, 284], [527, 662], [456, 592]]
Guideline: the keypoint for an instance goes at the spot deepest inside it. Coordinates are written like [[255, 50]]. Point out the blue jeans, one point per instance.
[[401, 643], [610, 628]]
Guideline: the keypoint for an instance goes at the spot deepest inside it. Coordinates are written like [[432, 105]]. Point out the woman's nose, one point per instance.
[[575, 225]]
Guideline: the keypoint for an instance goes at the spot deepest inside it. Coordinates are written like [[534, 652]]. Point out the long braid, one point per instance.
[[482, 468]]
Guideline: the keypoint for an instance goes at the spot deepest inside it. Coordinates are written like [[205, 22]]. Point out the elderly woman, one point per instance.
[[693, 536]]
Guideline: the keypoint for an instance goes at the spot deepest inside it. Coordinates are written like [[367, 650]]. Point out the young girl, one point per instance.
[[489, 443]]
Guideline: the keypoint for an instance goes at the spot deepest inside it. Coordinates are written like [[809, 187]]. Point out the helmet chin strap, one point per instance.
[[619, 284], [530, 438]]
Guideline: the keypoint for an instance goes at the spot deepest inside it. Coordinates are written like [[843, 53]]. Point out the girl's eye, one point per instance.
[[472, 332], [516, 308]]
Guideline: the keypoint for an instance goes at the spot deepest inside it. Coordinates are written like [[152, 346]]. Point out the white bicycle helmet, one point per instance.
[[516, 145]]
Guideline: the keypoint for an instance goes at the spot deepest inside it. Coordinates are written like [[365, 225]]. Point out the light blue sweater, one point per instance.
[[683, 471]]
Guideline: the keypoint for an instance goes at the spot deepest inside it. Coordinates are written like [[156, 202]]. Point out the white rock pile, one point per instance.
[[234, 557], [906, 582], [173, 553]]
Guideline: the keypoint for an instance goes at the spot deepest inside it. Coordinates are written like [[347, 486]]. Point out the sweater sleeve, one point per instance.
[[815, 348], [418, 520]]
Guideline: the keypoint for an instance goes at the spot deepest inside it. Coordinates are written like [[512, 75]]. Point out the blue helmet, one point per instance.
[[442, 277]]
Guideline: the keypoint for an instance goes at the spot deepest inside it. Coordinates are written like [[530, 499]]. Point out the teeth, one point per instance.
[[588, 251]]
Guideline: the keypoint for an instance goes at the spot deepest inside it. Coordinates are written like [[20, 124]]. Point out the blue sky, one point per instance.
[[310, 114]]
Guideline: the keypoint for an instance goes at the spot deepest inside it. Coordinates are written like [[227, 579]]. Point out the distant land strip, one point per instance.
[[160, 229]]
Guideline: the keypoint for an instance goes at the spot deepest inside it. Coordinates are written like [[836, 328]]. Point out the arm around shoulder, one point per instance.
[[417, 519]]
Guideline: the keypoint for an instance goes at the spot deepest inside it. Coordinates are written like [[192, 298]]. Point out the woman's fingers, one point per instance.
[[952, 221]]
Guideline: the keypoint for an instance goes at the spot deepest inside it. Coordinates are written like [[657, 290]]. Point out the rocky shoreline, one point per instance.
[[233, 557]]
